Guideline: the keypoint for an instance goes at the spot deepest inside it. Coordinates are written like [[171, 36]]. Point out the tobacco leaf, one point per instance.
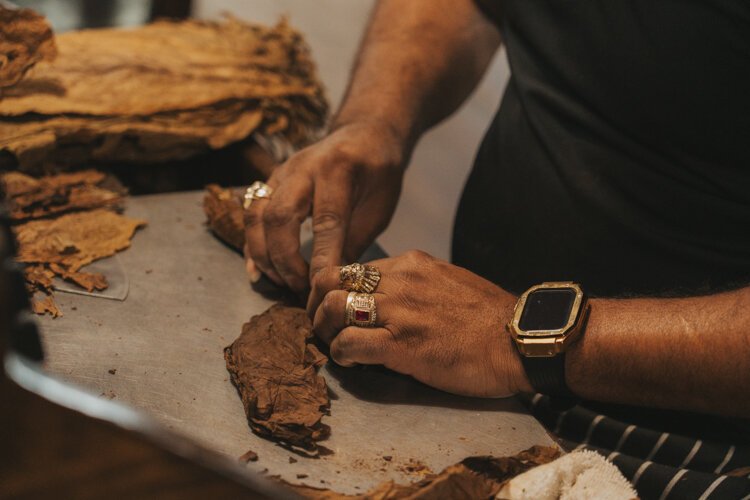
[[164, 91], [223, 208], [25, 39], [89, 281], [274, 366], [38, 277], [74, 240], [45, 305], [17, 184], [473, 477], [30, 198]]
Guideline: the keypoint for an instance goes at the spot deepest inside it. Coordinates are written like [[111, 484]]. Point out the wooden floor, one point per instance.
[[443, 158]]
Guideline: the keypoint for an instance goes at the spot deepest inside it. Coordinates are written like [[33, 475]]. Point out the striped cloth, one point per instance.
[[695, 463]]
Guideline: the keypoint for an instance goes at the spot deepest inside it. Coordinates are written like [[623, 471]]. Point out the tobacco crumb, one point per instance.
[[301, 476], [74, 308], [249, 456], [387, 458], [200, 278], [149, 271], [292, 460], [112, 371]]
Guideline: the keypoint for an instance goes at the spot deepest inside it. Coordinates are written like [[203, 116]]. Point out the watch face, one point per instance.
[[547, 309]]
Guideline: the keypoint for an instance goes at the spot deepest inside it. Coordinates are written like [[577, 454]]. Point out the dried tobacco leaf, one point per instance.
[[38, 277], [274, 367], [25, 39], [45, 305], [89, 281], [223, 208], [164, 91], [30, 198], [76, 239], [17, 184], [473, 477]]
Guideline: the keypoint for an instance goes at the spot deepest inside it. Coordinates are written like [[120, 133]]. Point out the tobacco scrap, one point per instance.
[[74, 240], [38, 278], [223, 208], [248, 456], [45, 305], [165, 91], [31, 198], [25, 39], [89, 281], [473, 477], [275, 366], [61, 246]]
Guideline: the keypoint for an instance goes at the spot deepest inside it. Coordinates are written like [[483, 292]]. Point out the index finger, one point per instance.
[[281, 222], [332, 209]]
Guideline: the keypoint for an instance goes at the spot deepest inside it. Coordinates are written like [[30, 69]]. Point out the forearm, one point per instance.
[[687, 353], [418, 62]]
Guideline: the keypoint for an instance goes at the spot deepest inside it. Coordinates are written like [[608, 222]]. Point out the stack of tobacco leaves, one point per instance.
[[64, 222], [25, 39], [166, 91]]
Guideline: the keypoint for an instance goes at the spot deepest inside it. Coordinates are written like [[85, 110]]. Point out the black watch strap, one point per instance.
[[547, 375]]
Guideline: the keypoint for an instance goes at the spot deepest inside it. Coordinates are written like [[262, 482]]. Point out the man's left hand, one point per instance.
[[437, 322]]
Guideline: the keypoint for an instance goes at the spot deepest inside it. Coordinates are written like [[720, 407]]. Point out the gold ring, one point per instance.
[[358, 277], [360, 310], [256, 191]]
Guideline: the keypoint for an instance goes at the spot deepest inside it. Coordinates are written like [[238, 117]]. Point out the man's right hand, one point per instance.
[[350, 182]]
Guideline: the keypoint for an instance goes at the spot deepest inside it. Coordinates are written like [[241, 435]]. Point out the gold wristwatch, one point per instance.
[[547, 319]]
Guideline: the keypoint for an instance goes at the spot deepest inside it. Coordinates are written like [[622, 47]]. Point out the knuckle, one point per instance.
[[277, 216], [417, 256], [322, 277], [329, 304], [252, 217], [326, 221], [343, 153], [339, 348]]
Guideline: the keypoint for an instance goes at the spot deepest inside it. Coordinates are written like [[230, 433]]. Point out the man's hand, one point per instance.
[[439, 323], [420, 59], [350, 183]]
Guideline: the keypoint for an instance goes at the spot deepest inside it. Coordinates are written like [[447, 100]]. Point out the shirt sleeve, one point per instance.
[[492, 9]]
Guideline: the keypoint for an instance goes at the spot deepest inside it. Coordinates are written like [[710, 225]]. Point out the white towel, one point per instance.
[[580, 475]]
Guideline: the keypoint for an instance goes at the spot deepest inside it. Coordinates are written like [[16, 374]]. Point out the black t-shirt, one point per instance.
[[620, 156], [620, 159]]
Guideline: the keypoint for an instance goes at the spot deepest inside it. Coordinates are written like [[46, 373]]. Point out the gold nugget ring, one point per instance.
[[256, 191], [360, 310], [361, 278]]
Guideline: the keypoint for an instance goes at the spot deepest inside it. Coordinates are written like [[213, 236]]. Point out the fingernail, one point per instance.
[[252, 272]]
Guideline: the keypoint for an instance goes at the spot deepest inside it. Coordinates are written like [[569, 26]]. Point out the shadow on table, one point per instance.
[[378, 384]]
